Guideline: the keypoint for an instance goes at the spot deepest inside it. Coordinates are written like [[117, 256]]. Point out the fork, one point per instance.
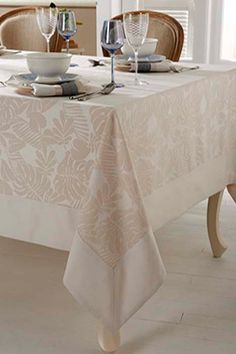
[[104, 91], [98, 62]]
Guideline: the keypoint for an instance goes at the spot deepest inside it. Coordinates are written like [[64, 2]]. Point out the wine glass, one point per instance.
[[66, 26], [47, 22], [136, 27], [112, 38]]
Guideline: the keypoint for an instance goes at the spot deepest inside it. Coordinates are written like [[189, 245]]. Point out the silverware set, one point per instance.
[[96, 62], [106, 90]]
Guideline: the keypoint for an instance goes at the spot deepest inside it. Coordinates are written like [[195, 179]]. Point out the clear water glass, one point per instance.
[[47, 22], [112, 39], [67, 26], [136, 27]]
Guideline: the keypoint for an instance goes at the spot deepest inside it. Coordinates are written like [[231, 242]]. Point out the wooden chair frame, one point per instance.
[[55, 44]]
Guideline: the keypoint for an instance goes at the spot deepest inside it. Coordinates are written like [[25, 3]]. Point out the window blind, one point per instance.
[[182, 16]]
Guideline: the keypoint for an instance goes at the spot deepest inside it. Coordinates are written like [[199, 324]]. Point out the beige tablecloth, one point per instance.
[[110, 171]]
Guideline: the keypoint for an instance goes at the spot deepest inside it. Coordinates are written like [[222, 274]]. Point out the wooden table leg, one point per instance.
[[108, 341], [213, 210]]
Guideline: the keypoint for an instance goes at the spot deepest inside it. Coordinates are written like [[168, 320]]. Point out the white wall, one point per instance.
[[201, 34], [128, 5], [228, 46]]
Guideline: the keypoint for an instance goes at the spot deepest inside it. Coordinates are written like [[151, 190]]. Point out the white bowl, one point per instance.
[[48, 66], [148, 48]]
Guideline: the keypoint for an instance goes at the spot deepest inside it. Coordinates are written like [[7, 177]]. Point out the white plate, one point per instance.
[[28, 78], [154, 58]]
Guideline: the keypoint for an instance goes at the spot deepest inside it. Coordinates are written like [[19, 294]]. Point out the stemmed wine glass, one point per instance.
[[136, 27], [47, 22], [66, 26], [112, 38]]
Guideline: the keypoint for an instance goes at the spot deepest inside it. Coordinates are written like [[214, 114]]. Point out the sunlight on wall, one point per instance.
[[228, 45]]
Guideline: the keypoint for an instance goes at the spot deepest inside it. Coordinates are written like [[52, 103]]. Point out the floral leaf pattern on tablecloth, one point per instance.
[[104, 161]]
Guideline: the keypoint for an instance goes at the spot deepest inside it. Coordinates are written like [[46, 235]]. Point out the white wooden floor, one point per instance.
[[194, 311]]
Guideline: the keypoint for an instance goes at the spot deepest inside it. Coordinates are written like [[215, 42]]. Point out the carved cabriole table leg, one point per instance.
[[108, 341], [213, 210]]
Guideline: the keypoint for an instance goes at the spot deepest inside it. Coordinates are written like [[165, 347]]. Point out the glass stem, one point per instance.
[[136, 67], [67, 44], [112, 67], [48, 44]]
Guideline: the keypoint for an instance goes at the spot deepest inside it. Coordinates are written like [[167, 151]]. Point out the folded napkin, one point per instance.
[[2, 49], [163, 66], [5, 51], [71, 88]]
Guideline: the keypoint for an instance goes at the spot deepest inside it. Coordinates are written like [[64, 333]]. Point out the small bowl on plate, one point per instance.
[[148, 48], [48, 67]]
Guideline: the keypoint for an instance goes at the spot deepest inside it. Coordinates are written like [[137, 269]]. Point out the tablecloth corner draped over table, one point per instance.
[[129, 268]]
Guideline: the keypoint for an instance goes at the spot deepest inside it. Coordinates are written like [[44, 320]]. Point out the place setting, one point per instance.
[[48, 76], [48, 72], [138, 52]]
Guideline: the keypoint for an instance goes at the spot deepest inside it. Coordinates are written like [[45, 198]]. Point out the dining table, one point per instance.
[[97, 178]]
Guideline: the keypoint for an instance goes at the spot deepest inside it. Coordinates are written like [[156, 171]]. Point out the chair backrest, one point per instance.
[[19, 30], [166, 29]]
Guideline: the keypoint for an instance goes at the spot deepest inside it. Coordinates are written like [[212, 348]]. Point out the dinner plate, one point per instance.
[[28, 78], [154, 58]]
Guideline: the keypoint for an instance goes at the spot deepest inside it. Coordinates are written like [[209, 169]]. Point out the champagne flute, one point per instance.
[[66, 26], [47, 22], [112, 38], [136, 27]]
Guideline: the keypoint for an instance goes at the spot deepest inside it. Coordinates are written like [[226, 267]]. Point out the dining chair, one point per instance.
[[19, 30], [166, 29]]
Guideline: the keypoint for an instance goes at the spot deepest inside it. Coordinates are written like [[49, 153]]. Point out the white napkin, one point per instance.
[[2, 49], [64, 89], [164, 66], [5, 51]]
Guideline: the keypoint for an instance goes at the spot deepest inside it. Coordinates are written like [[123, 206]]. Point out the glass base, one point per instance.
[[136, 83], [116, 84], [141, 83]]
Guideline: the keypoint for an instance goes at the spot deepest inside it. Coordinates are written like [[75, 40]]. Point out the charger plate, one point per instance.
[[29, 78], [154, 58]]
